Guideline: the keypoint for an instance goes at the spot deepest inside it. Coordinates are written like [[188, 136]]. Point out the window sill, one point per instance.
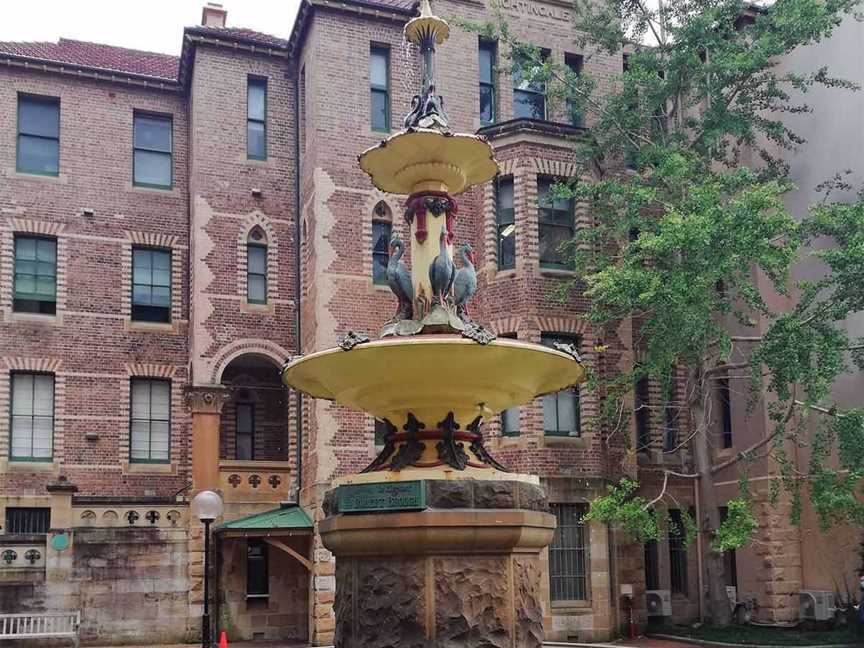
[[582, 441], [571, 607], [557, 272], [253, 464], [151, 327], [161, 191], [36, 318], [59, 178], [131, 467], [30, 466], [503, 274], [257, 309]]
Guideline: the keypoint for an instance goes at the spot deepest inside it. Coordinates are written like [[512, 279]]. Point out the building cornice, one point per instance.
[[518, 131]]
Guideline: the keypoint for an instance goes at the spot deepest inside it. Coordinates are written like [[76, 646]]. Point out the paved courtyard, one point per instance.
[[638, 643]]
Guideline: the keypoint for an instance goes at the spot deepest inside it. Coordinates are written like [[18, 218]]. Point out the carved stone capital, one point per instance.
[[207, 400]]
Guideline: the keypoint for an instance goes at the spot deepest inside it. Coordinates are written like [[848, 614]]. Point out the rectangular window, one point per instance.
[[35, 275], [725, 410], [574, 64], [150, 421], [557, 225], [529, 98], [256, 119], [256, 273], [244, 437], [670, 428], [561, 409], [32, 417], [151, 164], [487, 82], [677, 553], [652, 566], [379, 76], [730, 561], [151, 285], [257, 573], [381, 231], [38, 135], [505, 216], [27, 520], [642, 415], [568, 554]]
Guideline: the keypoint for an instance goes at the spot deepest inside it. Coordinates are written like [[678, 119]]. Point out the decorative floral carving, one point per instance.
[[9, 556], [207, 399], [274, 481], [173, 517], [32, 555], [351, 339], [132, 517], [254, 480], [235, 480], [410, 451], [152, 517]]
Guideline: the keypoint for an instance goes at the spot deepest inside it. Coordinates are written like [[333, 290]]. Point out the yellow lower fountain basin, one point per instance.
[[432, 375]]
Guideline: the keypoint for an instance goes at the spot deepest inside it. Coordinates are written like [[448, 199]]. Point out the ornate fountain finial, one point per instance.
[[426, 31]]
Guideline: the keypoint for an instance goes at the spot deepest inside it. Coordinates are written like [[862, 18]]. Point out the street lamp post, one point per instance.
[[207, 507]]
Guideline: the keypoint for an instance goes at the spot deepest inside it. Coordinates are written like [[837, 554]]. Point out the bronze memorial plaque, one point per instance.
[[394, 496]]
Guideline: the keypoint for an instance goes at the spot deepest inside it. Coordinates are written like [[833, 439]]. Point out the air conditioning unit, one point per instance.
[[815, 605], [732, 595], [658, 603]]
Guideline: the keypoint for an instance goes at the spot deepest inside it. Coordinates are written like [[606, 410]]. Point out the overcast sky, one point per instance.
[[152, 25]]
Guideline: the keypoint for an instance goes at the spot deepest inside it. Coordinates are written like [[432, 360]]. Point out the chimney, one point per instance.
[[213, 15]]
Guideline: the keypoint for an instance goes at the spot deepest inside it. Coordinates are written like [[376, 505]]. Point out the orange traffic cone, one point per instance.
[[223, 640]]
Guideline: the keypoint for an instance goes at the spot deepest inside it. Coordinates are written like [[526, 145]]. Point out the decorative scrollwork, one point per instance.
[[451, 451], [351, 339], [132, 517], [235, 480], [410, 451], [152, 517], [254, 480], [32, 555], [274, 481], [386, 451], [477, 333]]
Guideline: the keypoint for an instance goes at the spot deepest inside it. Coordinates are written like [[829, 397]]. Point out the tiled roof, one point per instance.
[[239, 34], [395, 5], [97, 55]]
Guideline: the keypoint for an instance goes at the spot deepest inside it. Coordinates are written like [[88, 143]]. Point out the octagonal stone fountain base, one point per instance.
[[464, 572]]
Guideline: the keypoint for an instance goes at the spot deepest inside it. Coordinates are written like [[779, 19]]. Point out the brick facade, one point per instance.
[[319, 251]]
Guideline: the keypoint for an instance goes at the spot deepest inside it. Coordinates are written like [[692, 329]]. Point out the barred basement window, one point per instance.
[[256, 119], [677, 553], [38, 135], [150, 425], [488, 52], [561, 409], [244, 435], [151, 285], [27, 520], [35, 287], [32, 417], [257, 572], [151, 163], [568, 554], [557, 225], [379, 77], [505, 217]]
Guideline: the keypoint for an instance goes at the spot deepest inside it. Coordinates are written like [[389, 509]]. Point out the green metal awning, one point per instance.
[[287, 518]]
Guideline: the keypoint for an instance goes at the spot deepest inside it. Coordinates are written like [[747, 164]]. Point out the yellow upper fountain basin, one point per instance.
[[428, 160], [432, 375]]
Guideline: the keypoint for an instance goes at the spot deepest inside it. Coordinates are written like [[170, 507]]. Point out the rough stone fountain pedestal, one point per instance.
[[464, 572], [436, 544]]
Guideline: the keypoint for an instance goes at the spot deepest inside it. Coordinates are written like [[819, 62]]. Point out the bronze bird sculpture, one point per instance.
[[442, 271], [399, 280], [465, 282]]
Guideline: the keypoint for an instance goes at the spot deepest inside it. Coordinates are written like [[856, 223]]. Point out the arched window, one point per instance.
[[256, 266], [382, 228]]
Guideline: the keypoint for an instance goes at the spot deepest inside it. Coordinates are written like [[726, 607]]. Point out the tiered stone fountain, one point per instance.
[[436, 544]]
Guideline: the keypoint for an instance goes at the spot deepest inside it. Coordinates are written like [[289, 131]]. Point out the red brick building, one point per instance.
[[174, 228]]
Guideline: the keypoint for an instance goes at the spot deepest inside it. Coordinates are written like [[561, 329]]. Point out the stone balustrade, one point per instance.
[[254, 481], [163, 516]]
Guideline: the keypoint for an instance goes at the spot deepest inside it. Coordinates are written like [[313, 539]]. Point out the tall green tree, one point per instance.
[[691, 240]]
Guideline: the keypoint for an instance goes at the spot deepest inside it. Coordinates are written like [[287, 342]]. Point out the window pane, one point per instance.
[[142, 294], [381, 236], [256, 99], [256, 289], [379, 110], [378, 68], [140, 399], [244, 418], [37, 117], [505, 194], [153, 168], [507, 247], [487, 104], [38, 155], [552, 238], [153, 133], [140, 441], [161, 260], [244, 446], [22, 392], [568, 414], [529, 105], [487, 61], [43, 433], [159, 441], [22, 436], [160, 399], [43, 395], [25, 248], [256, 140], [257, 259], [550, 413], [510, 421]]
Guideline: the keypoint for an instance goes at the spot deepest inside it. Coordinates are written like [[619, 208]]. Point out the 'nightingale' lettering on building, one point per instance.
[[529, 8]]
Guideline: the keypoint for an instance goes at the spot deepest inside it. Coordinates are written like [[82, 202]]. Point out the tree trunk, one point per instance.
[[717, 603]]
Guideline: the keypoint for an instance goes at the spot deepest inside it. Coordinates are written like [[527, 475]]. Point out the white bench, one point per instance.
[[40, 625]]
